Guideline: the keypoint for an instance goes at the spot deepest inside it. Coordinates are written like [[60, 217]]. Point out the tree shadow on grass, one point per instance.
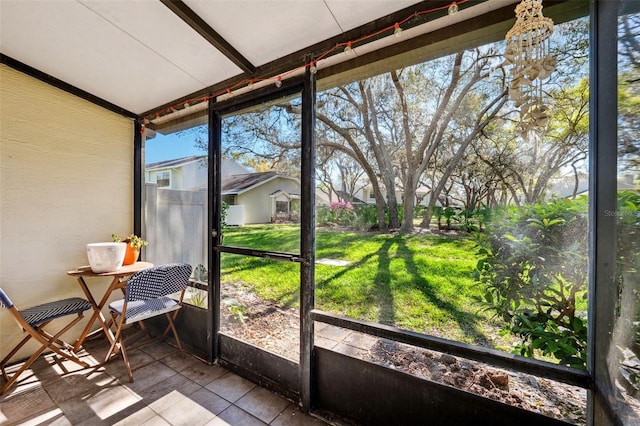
[[382, 292], [467, 322]]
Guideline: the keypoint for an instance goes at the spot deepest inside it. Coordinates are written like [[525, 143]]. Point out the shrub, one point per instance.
[[627, 334], [533, 269], [337, 213]]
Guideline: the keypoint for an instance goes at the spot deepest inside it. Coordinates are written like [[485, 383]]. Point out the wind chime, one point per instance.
[[528, 53]]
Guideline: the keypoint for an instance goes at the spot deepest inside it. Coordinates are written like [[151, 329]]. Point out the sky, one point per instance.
[[169, 147]]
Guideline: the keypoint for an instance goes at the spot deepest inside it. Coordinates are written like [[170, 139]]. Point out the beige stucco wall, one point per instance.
[[66, 179]]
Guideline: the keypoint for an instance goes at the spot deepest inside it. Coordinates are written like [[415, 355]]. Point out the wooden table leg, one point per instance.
[[97, 311]]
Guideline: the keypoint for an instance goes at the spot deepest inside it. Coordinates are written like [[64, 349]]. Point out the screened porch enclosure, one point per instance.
[[309, 279]]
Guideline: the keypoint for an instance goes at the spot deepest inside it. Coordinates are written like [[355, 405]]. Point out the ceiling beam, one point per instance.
[[201, 27], [296, 59]]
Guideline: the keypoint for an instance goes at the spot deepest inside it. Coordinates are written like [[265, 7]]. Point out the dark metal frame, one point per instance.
[[313, 379], [602, 234], [214, 236], [493, 357], [603, 161], [307, 239], [138, 176], [231, 352]]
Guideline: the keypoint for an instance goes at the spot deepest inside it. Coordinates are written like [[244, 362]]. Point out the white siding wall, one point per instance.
[[195, 174], [66, 179], [258, 205]]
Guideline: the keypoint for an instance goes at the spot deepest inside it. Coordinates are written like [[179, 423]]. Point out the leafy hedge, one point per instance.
[[627, 333], [533, 269]]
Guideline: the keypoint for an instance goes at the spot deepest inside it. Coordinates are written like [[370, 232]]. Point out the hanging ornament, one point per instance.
[[528, 53]]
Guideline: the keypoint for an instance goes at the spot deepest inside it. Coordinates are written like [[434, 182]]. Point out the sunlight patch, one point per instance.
[[332, 262]]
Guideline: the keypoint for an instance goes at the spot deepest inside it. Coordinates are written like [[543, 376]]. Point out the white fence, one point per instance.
[[176, 226]]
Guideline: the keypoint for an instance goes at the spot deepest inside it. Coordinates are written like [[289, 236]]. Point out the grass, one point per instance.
[[422, 283]]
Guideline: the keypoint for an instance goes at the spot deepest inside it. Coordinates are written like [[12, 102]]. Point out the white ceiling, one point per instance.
[[138, 55]]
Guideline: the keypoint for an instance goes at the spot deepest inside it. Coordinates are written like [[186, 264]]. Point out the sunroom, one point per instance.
[[491, 276]]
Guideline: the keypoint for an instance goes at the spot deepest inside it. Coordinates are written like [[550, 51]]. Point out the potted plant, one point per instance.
[[134, 245]]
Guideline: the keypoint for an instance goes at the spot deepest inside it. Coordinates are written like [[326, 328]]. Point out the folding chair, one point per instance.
[[146, 297], [33, 320]]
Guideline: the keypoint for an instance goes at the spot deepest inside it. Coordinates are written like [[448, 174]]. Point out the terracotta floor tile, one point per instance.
[[292, 416], [186, 412], [177, 382], [235, 416], [167, 390], [22, 405], [203, 373], [230, 386], [210, 401], [262, 404], [137, 418]]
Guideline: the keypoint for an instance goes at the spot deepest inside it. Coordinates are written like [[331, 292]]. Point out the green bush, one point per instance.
[[533, 270], [627, 337], [362, 216], [367, 216]]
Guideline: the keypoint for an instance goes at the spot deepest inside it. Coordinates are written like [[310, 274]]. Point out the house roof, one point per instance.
[[159, 60], [237, 184], [177, 162], [345, 196], [290, 196]]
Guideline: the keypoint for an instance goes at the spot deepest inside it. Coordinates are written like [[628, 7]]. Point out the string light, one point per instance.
[[397, 31], [451, 8], [348, 50]]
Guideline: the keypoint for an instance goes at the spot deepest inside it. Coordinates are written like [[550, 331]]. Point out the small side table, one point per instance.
[[119, 281]]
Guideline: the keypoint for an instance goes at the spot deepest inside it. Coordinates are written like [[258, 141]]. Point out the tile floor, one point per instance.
[[167, 390]]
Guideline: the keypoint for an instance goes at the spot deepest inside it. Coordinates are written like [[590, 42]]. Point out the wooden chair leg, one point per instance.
[[47, 341], [118, 346], [17, 374], [51, 339], [125, 358], [175, 332], [173, 317], [115, 345]]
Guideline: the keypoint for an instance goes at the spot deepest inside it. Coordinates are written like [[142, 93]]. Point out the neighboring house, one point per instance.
[[260, 197], [252, 197], [188, 173]]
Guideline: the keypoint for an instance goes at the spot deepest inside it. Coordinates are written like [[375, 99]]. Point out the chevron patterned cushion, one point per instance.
[[139, 310], [158, 281], [36, 315], [146, 292]]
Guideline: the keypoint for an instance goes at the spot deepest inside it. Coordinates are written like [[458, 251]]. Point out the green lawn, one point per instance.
[[417, 282]]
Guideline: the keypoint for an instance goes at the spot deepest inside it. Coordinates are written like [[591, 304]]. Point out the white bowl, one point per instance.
[[106, 257]]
